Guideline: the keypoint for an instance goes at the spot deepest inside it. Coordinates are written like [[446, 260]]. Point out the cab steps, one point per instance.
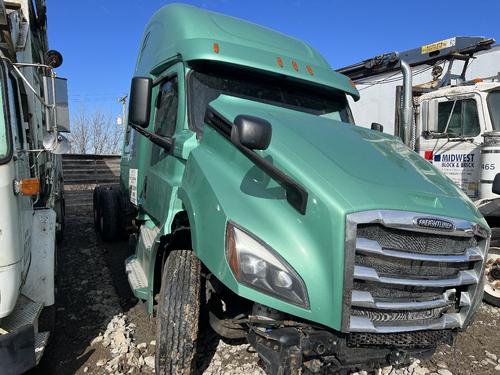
[[136, 276]]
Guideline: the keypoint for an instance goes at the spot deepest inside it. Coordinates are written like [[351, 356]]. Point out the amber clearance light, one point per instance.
[[29, 186], [279, 60]]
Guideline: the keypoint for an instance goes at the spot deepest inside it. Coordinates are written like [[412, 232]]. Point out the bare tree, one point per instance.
[[95, 133]]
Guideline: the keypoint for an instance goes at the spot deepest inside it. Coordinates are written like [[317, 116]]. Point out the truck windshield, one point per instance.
[[494, 107], [207, 85]]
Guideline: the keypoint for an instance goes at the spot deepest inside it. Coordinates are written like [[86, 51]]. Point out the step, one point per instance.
[[136, 276], [148, 235], [26, 312], [41, 340]]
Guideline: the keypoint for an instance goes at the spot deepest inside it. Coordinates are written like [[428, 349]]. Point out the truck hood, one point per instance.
[[351, 167]]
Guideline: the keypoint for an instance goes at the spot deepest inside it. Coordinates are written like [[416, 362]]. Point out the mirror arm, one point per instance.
[[167, 143], [20, 74]]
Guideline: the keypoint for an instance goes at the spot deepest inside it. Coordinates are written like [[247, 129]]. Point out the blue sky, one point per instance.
[[99, 39]]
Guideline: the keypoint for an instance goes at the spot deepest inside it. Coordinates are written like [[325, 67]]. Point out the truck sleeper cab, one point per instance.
[[252, 207]]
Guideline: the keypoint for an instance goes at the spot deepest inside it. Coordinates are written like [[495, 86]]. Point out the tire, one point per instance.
[[96, 208], [492, 277], [109, 215], [178, 314]]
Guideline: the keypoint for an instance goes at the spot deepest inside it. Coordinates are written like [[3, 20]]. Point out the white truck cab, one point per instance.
[[33, 113], [458, 130]]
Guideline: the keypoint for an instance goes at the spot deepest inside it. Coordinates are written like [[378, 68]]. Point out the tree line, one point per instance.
[[95, 133]]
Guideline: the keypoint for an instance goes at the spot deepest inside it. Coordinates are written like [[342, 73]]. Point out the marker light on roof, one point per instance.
[[216, 47], [309, 69], [295, 65], [279, 60]]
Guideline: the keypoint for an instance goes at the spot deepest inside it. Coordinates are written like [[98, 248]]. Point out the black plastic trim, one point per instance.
[[17, 350], [167, 143], [296, 195]]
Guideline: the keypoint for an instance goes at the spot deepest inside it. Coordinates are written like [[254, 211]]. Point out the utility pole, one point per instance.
[[123, 100]]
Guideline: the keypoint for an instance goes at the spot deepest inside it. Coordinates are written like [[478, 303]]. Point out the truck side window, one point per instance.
[[464, 121], [166, 104]]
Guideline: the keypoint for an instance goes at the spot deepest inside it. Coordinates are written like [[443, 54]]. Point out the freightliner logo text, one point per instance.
[[432, 223]]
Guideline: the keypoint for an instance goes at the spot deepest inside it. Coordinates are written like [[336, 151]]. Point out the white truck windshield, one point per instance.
[[494, 107]]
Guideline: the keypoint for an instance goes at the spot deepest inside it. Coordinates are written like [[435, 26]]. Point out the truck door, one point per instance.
[[21, 163], [452, 137], [165, 170], [128, 167]]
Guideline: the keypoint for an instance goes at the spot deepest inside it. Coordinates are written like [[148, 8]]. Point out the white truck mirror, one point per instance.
[[61, 101]]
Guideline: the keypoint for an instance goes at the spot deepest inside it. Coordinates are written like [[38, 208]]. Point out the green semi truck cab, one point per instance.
[[250, 196]]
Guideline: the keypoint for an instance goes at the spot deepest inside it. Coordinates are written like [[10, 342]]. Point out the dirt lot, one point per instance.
[[102, 328]]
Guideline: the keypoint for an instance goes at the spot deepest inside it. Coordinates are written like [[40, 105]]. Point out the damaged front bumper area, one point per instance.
[[287, 350]]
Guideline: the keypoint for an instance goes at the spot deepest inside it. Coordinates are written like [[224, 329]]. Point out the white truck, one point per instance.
[[33, 113], [451, 118]]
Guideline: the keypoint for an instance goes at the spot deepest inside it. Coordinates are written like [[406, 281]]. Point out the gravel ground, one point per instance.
[[103, 329]]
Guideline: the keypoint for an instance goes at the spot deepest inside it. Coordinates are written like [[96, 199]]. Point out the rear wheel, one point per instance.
[[109, 215], [178, 313], [492, 277]]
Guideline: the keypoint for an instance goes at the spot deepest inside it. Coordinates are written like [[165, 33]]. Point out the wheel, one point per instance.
[[492, 277], [109, 215], [178, 313], [96, 208]]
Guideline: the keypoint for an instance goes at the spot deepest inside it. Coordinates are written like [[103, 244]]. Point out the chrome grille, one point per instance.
[[401, 277], [420, 243]]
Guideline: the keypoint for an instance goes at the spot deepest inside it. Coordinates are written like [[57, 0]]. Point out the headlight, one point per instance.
[[258, 266]]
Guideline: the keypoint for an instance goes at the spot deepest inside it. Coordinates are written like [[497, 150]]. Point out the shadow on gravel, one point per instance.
[[92, 288], [205, 348]]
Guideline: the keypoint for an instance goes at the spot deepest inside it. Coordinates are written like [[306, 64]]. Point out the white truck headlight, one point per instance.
[[256, 265]]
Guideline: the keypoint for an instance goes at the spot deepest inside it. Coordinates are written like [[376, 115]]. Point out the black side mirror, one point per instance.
[[252, 132], [377, 127], [496, 184], [139, 108]]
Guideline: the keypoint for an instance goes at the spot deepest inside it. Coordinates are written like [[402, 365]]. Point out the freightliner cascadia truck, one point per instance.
[[33, 111], [454, 120], [257, 204]]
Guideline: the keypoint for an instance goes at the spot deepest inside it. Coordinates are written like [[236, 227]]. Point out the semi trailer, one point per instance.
[[254, 201], [33, 106], [453, 122]]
